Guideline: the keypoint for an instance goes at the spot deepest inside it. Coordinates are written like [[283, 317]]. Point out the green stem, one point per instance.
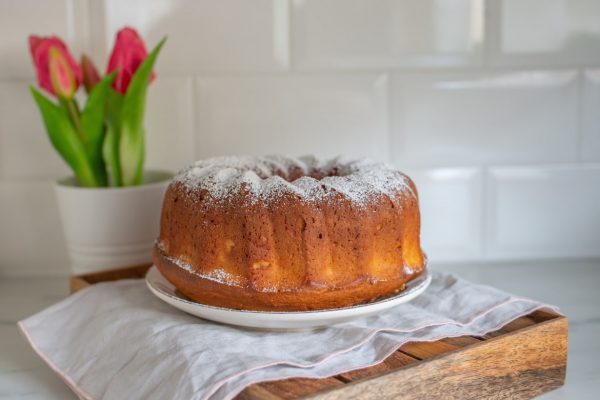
[[74, 114], [87, 175]]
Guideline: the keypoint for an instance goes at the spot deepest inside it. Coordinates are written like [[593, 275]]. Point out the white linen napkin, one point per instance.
[[117, 341]]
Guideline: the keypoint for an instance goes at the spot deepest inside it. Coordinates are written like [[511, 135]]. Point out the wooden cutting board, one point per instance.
[[524, 359]]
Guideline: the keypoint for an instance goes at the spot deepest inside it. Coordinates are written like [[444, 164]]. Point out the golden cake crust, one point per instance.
[[210, 292], [277, 233]]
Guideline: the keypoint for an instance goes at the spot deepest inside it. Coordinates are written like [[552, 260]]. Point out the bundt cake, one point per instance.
[[286, 234]]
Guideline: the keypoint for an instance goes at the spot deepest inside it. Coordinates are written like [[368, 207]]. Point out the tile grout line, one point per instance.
[[388, 117], [581, 113], [193, 81], [484, 213]]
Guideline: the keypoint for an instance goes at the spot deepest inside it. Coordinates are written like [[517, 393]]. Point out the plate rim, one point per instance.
[[417, 287]]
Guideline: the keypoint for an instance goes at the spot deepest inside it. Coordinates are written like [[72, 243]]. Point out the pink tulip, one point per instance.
[[67, 73], [128, 54]]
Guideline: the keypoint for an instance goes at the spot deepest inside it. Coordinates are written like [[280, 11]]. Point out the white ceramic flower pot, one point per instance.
[[107, 228]]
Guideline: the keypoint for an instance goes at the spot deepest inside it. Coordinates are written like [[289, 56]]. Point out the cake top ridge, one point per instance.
[[267, 178]]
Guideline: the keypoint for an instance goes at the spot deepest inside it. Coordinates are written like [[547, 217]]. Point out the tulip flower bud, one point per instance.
[[127, 55], [62, 76], [40, 53], [90, 73]]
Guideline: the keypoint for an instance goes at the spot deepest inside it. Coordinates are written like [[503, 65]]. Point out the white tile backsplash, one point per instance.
[[170, 124], [323, 114], [590, 149], [25, 150], [387, 33], [451, 203], [21, 18], [32, 240], [543, 212], [206, 35], [492, 106], [481, 118], [544, 32]]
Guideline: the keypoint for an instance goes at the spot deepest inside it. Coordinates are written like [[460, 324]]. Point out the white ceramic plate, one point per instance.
[[165, 291]]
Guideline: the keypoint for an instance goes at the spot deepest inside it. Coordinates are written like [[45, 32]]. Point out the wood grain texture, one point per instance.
[[519, 365], [523, 359], [517, 324], [294, 388], [424, 350], [394, 362]]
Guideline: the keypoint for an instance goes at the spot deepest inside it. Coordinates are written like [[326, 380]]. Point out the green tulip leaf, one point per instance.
[[110, 147], [92, 126], [131, 140], [65, 139]]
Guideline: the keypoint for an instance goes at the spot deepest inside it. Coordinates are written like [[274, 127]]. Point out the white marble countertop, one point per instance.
[[572, 285]]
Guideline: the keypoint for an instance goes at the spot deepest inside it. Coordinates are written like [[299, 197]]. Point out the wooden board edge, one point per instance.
[[288, 388], [527, 370], [78, 282]]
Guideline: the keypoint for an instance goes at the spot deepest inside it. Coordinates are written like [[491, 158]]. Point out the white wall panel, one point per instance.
[[481, 118], [544, 212], [32, 240], [322, 114], [206, 35], [21, 18], [451, 212], [387, 33], [544, 32], [25, 150], [170, 124]]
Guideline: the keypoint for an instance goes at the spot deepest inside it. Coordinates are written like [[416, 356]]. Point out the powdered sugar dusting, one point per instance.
[[218, 275], [268, 178]]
